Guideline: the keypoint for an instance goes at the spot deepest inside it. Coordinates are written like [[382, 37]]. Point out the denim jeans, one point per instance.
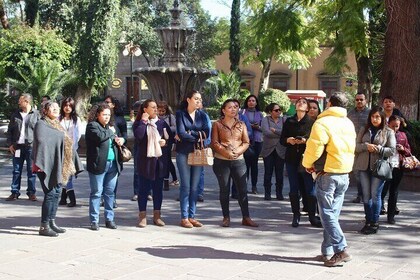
[[25, 155], [273, 162], [51, 198], [188, 190], [103, 184], [372, 191], [252, 163], [297, 178], [69, 185], [224, 170], [330, 190], [146, 186], [201, 185]]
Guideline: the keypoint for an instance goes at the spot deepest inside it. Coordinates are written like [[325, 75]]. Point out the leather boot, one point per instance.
[[267, 192], [157, 219], [294, 202], [72, 198], [63, 200], [166, 184], [142, 219], [312, 205], [45, 230], [56, 228]]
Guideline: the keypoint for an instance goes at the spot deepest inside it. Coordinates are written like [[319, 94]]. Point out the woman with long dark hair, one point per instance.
[[190, 123], [72, 125], [152, 136], [252, 111], [374, 140]]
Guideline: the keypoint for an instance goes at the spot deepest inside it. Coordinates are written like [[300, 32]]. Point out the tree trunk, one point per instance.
[[3, 16], [364, 77], [265, 74], [401, 68], [82, 100]]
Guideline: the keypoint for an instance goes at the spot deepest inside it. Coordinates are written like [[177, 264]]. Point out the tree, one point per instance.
[[235, 45], [3, 17], [401, 62], [31, 11]]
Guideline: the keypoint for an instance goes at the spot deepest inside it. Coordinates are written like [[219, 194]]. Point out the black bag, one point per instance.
[[124, 153], [382, 168]]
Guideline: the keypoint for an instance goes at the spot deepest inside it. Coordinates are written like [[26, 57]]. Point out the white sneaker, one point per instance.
[[134, 198]]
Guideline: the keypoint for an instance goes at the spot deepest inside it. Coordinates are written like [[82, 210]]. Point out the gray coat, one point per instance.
[[384, 138], [271, 140]]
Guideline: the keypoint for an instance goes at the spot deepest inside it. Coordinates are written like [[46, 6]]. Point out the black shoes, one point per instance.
[[370, 228], [56, 228], [358, 199], [296, 220], [45, 230], [391, 220], [315, 221], [111, 224], [200, 199], [94, 226]]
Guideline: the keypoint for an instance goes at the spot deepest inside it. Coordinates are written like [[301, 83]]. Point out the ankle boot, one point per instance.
[[56, 228], [166, 185], [142, 219], [72, 198], [312, 205], [267, 192], [45, 230], [157, 219], [63, 200], [294, 202]]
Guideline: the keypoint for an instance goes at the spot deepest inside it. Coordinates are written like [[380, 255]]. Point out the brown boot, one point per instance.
[[156, 218], [142, 219], [246, 221]]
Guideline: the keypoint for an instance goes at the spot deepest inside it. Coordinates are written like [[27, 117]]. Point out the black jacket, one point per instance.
[[97, 145], [292, 128], [15, 125]]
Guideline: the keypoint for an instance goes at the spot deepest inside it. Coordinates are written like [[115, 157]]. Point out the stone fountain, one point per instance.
[[173, 80]]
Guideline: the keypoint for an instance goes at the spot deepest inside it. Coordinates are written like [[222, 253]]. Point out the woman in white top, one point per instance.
[[71, 124]]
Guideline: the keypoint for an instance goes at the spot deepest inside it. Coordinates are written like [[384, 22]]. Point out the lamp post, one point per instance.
[[132, 50]]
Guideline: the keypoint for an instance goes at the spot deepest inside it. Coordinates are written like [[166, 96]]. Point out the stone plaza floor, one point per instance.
[[274, 250]]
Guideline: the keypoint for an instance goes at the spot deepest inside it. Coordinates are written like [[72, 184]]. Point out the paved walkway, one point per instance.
[[275, 250]]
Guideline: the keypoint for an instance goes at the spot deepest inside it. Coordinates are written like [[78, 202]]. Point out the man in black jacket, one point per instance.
[[19, 140]]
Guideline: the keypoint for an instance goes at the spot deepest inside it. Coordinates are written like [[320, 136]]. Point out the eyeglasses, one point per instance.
[[357, 100], [276, 110]]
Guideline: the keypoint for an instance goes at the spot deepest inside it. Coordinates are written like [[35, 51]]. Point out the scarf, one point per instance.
[[153, 137], [68, 165]]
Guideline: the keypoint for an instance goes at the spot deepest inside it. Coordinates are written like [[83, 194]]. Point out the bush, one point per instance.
[[415, 133], [8, 105], [271, 95]]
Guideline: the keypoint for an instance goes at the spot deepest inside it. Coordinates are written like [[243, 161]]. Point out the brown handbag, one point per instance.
[[201, 156]]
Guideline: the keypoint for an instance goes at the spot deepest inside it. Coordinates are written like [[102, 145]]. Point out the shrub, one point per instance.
[[271, 95]]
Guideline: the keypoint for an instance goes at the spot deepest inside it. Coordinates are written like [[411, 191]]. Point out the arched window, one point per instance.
[[328, 83], [279, 80]]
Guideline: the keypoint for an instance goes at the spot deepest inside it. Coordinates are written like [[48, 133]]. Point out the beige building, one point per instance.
[[283, 78]]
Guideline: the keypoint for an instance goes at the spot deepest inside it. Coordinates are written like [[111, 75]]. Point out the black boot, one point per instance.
[[56, 228], [294, 202], [45, 230], [312, 205], [279, 192], [72, 198], [166, 184], [63, 200], [267, 192]]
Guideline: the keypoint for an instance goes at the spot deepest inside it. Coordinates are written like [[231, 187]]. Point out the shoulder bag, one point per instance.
[[124, 153], [410, 163], [382, 168], [201, 156]]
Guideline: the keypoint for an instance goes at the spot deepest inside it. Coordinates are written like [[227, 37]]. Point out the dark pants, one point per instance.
[[146, 186], [392, 186], [25, 155], [51, 199], [252, 163], [273, 162], [224, 169]]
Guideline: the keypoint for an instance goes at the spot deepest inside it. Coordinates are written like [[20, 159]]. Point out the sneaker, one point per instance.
[[174, 183], [358, 199], [338, 259], [32, 197], [12, 197], [134, 198]]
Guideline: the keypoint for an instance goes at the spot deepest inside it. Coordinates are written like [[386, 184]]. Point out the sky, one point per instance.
[[217, 8]]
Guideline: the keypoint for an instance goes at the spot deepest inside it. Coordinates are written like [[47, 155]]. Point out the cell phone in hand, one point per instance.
[[299, 137]]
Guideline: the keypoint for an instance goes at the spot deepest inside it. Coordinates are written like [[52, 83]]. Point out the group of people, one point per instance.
[[317, 148]]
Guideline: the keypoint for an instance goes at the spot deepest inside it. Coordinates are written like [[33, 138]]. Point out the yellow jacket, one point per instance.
[[334, 133]]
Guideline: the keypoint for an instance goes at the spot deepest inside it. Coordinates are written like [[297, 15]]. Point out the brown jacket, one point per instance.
[[229, 143]]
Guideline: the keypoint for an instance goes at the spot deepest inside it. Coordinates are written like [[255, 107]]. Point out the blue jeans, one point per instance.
[[50, 202], [188, 190], [103, 184], [69, 185], [372, 190], [25, 155], [330, 190], [201, 185]]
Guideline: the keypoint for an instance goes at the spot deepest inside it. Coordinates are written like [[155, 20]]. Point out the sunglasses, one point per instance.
[[360, 100], [276, 110]]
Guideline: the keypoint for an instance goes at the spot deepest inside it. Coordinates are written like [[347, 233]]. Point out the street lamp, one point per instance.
[[132, 50]]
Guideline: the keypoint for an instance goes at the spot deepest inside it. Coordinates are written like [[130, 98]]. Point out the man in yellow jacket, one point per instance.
[[329, 156]]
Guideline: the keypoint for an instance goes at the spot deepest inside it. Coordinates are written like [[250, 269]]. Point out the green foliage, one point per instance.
[[8, 104], [271, 95], [415, 133], [39, 46], [224, 86], [235, 43]]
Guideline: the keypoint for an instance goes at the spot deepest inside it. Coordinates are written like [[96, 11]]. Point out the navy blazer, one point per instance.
[[97, 146], [156, 167], [188, 130]]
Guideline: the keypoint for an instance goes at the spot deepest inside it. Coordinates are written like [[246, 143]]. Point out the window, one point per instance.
[[329, 83], [279, 80]]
